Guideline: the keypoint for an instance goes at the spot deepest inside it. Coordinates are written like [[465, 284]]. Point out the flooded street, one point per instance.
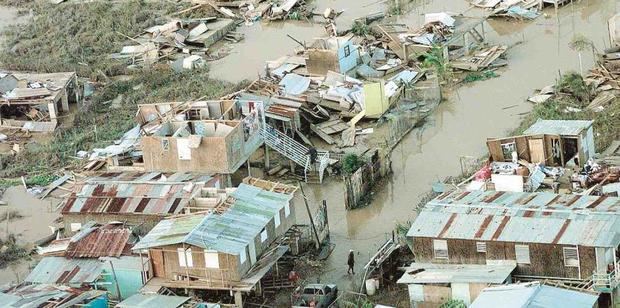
[[539, 51], [462, 123]]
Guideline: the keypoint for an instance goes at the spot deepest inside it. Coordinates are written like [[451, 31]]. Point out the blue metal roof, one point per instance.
[[521, 217], [558, 127], [532, 295], [229, 232]]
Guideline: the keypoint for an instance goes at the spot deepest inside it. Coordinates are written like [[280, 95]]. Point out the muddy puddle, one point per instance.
[[460, 125]]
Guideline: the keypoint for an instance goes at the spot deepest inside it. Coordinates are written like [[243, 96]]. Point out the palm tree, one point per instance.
[[580, 43]]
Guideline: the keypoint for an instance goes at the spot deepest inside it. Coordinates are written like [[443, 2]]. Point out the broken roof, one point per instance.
[[521, 217], [456, 273], [37, 87], [94, 241], [532, 295], [59, 270], [42, 295], [558, 127], [230, 232], [152, 193]]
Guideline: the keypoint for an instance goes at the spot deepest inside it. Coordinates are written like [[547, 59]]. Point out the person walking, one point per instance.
[[351, 262]]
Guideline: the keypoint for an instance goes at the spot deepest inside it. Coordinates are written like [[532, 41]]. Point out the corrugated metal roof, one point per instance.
[[38, 295], [152, 300], [101, 241], [521, 217], [451, 273], [532, 295], [229, 232], [558, 127], [151, 193], [59, 270]]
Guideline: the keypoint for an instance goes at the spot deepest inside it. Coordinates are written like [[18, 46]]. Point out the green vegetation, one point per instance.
[[573, 84], [360, 28], [478, 76], [453, 303], [10, 251], [79, 38], [575, 94], [351, 162], [99, 125], [435, 60]]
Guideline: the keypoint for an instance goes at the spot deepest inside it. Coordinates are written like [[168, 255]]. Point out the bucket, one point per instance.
[[371, 287]]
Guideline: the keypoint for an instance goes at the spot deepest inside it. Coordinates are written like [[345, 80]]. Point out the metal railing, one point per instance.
[[295, 151]]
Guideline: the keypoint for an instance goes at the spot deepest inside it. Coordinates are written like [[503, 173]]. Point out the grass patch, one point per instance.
[[75, 37], [156, 85], [351, 162], [10, 251], [575, 94], [478, 76]]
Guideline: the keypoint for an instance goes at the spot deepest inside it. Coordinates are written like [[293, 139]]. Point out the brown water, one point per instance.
[[462, 123], [33, 226]]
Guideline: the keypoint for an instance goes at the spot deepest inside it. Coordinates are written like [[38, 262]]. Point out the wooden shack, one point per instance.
[[550, 142], [216, 249], [134, 198], [33, 101], [542, 233]]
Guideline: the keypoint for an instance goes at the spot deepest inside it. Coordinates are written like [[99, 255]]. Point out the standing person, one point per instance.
[[351, 262]]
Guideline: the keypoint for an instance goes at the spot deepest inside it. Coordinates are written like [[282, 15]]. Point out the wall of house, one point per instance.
[[210, 157], [350, 61], [128, 274], [320, 61], [147, 222], [545, 259], [229, 269]]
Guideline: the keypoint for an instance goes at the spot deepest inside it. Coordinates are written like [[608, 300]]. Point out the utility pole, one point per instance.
[[316, 235]]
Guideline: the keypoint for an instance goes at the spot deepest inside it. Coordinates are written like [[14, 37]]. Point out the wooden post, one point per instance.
[[238, 299], [267, 162], [316, 235], [118, 290]]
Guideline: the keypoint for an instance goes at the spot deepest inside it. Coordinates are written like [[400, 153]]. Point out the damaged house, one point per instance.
[[133, 198], [108, 244], [228, 248], [184, 43], [567, 238], [203, 136], [336, 54], [548, 142], [33, 102]]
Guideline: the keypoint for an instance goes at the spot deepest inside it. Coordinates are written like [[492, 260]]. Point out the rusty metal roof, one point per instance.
[[62, 271], [100, 241], [151, 193], [521, 217]]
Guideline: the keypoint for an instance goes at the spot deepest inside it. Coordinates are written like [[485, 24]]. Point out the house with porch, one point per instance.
[[230, 247], [571, 239]]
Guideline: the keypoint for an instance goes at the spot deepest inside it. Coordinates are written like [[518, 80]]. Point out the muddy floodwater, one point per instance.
[[457, 128], [461, 124]]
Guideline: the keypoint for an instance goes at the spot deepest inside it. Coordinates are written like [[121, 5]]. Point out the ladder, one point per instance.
[[295, 151]]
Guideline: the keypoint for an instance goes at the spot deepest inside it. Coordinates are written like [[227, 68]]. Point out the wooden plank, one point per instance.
[[55, 184], [323, 136]]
